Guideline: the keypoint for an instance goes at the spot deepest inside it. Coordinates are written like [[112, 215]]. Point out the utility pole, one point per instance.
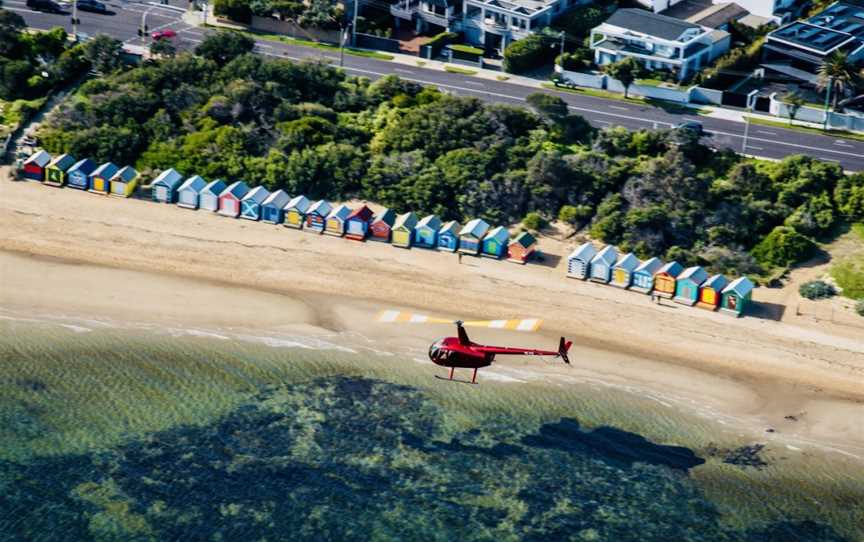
[[75, 20], [354, 24], [746, 132], [343, 36], [562, 41], [827, 101]]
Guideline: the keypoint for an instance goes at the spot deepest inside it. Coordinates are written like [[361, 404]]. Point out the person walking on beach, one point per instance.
[[459, 257]]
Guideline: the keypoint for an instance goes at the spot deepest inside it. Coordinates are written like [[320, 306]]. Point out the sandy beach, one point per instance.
[[73, 253]]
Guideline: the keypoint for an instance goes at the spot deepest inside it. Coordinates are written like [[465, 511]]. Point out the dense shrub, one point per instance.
[[577, 60], [783, 246], [526, 54], [534, 221], [441, 40], [816, 289]]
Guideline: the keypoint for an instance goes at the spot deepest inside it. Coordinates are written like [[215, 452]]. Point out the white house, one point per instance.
[[770, 9]]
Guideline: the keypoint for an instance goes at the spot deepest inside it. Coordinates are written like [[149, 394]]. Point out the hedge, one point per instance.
[[525, 54]]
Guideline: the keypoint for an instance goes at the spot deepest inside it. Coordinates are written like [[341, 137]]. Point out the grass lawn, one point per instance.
[[859, 230], [671, 107], [849, 274], [502, 77], [656, 83], [806, 129], [457, 69], [314, 44], [467, 49]]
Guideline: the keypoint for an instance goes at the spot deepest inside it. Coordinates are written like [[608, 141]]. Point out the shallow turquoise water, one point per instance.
[[132, 435]]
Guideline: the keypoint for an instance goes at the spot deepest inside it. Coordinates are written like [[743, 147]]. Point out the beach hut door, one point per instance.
[[733, 302], [162, 193]]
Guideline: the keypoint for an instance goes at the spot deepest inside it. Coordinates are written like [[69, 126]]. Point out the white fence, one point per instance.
[[604, 82], [839, 121]]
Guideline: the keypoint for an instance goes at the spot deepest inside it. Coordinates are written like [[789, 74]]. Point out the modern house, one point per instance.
[[495, 243], [579, 261], [381, 225], [769, 10], [403, 230], [357, 225], [100, 179], [426, 232], [336, 220], [687, 285], [208, 199], [665, 278], [295, 212], [643, 276], [33, 168], [273, 208], [165, 186], [711, 292], [736, 296], [189, 193], [229, 199], [657, 42], [429, 16], [798, 49], [55, 171], [78, 176], [622, 271], [602, 263], [315, 219], [521, 248], [250, 204], [124, 182], [471, 236], [448, 236]]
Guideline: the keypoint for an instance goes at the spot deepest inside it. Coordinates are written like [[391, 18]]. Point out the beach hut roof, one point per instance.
[[277, 199], [169, 177], [41, 158], [450, 228], [608, 255], [741, 286], [673, 269], [387, 216], [431, 222], [363, 213], [525, 239], [85, 165], [322, 207], [62, 162], [108, 169], [628, 261], [215, 187], [585, 251], [341, 211], [238, 189], [257, 194], [407, 220], [477, 227], [125, 174], [301, 203], [195, 182], [695, 273], [651, 265], [498, 233], [716, 282]]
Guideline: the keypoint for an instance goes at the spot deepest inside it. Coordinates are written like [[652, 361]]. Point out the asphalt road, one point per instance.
[[762, 141]]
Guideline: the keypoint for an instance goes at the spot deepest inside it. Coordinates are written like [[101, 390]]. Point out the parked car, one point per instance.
[[163, 35], [48, 6], [693, 125], [92, 5]]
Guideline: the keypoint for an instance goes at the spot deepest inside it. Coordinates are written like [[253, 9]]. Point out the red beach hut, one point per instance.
[[357, 223]]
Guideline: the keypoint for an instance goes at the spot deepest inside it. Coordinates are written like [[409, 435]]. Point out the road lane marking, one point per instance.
[[478, 83], [618, 107], [766, 132], [796, 145], [843, 143], [755, 147], [400, 70], [167, 6]]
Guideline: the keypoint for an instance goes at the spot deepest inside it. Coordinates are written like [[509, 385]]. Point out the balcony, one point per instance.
[[409, 8]]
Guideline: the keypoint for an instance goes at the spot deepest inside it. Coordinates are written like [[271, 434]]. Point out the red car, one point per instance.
[[163, 34]]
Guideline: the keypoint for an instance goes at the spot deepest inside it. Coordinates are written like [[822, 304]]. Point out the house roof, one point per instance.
[[718, 15], [695, 274], [608, 255], [363, 213], [716, 282], [628, 261], [387, 216], [62, 162], [477, 227], [195, 182], [321, 207], [341, 212], [277, 199], [406, 220], [525, 239], [451, 228], [238, 189], [257, 194], [169, 177], [652, 24], [741, 286], [106, 170], [650, 266], [585, 251], [498, 233], [301, 203], [431, 222], [673, 269], [834, 26], [85, 166], [215, 187], [125, 174], [40, 158]]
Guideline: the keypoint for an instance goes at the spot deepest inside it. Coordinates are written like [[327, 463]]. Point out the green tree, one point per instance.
[[783, 247], [849, 196], [224, 46], [549, 107], [608, 223], [625, 70], [11, 26], [163, 48], [236, 10], [103, 53], [534, 221], [526, 54], [794, 102], [836, 75]]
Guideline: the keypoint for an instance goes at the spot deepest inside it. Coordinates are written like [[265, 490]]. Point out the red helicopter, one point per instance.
[[461, 352]]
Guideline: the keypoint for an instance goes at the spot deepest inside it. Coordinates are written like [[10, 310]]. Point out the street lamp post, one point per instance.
[[827, 101], [354, 24], [75, 19], [144, 23]]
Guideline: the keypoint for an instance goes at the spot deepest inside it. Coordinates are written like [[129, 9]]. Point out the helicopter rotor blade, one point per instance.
[[526, 324]]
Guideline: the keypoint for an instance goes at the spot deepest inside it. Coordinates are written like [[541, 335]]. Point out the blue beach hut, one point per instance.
[[643, 276], [601, 264], [273, 208], [165, 186], [579, 261], [426, 232], [250, 205], [208, 198], [316, 216], [471, 236], [189, 193], [495, 242], [448, 236], [78, 176], [687, 285]]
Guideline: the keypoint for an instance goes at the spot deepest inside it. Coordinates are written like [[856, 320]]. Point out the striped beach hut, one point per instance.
[[403, 230], [357, 225], [33, 168], [208, 198], [229, 199], [687, 285], [55, 171], [273, 208], [448, 236], [250, 204], [737, 296], [100, 179], [711, 292], [426, 232], [579, 261], [602, 263], [622, 271], [495, 242], [381, 225], [295, 212], [124, 182], [665, 278], [189, 193], [336, 220], [316, 216], [521, 248], [471, 236], [165, 186], [643, 276], [78, 176]]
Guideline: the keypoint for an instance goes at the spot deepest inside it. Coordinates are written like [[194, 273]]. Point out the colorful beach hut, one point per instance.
[[33, 168], [737, 296], [448, 236], [165, 186], [295, 212], [426, 232], [229, 199], [471, 236], [55, 171], [403, 230], [622, 271], [78, 176], [250, 204], [357, 225], [336, 220], [711, 292], [124, 182], [665, 278], [189, 193], [521, 248], [382, 224], [687, 285], [495, 242], [100, 179], [316, 216], [643, 276], [208, 199], [579, 261], [602, 263], [273, 208]]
